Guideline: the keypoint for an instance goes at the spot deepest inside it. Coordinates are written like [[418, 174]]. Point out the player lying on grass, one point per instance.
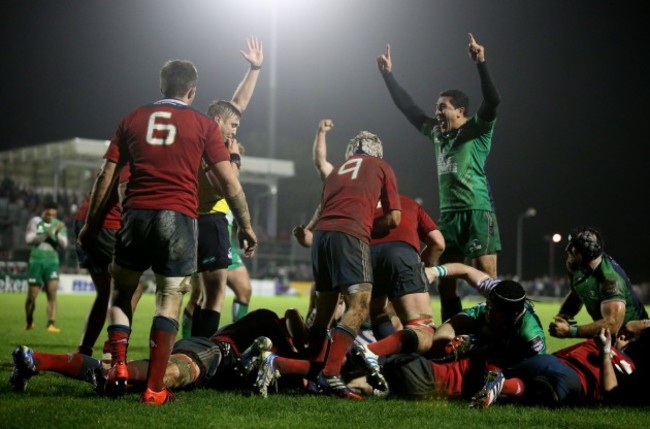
[[227, 360]]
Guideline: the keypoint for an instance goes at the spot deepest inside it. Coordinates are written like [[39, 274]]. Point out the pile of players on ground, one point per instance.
[[496, 351]]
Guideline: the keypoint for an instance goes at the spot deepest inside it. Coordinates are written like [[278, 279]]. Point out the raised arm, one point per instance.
[[491, 99], [402, 100], [255, 57], [323, 166]]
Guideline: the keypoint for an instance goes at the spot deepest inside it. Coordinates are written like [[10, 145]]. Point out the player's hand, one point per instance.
[[604, 340], [476, 51], [559, 327], [325, 125], [233, 146], [255, 53], [304, 236], [384, 62], [247, 241]]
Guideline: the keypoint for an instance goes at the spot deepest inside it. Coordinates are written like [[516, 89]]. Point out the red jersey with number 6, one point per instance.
[[164, 143], [351, 193]]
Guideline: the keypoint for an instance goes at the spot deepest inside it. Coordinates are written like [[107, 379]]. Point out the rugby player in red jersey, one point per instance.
[[341, 251], [97, 262], [163, 143]]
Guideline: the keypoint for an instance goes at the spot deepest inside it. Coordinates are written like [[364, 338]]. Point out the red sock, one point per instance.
[[390, 345], [342, 339], [292, 366], [513, 387], [73, 365], [161, 342], [318, 345], [118, 338]]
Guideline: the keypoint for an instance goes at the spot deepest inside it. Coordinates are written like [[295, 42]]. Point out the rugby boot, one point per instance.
[[366, 359], [24, 368], [116, 380], [490, 392], [150, 397], [334, 385], [251, 356], [267, 374]]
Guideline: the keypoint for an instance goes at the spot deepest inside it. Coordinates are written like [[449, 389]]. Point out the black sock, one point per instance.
[[209, 323], [449, 307], [196, 321]]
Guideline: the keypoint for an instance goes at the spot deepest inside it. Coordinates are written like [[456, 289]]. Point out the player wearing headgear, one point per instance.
[[598, 283], [341, 258], [503, 331]]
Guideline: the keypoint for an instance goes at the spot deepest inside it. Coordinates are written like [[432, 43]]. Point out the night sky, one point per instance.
[[573, 77]]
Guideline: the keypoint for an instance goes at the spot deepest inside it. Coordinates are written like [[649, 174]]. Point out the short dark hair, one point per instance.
[[458, 99], [177, 77], [50, 205], [223, 108]]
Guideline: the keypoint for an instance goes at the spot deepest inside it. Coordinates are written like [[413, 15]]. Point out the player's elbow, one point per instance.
[[436, 240]]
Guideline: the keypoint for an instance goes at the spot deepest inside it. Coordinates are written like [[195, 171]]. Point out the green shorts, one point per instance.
[[41, 272], [473, 233]]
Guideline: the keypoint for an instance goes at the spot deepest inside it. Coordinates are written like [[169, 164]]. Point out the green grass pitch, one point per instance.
[[52, 401]]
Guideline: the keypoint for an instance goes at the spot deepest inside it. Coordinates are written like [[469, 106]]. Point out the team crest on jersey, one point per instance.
[[474, 246], [446, 165], [537, 344]]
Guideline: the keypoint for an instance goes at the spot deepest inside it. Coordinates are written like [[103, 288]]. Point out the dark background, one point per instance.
[[570, 138]]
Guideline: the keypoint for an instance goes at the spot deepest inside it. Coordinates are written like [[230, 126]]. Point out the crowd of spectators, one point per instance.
[[19, 203]]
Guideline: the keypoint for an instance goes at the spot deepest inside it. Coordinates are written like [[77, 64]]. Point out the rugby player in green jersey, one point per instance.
[[599, 284], [462, 144], [46, 235]]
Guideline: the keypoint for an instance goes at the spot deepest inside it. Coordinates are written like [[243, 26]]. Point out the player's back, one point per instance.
[[164, 143], [351, 193], [415, 224]]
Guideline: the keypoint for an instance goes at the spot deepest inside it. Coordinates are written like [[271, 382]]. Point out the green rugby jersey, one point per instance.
[[508, 346], [608, 282], [48, 249], [460, 157]]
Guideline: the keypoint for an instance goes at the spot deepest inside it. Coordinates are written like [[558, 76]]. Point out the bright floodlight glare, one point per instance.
[[557, 238]]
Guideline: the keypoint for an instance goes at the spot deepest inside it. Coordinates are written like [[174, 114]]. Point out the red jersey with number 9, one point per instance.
[[164, 143], [351, 193]]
